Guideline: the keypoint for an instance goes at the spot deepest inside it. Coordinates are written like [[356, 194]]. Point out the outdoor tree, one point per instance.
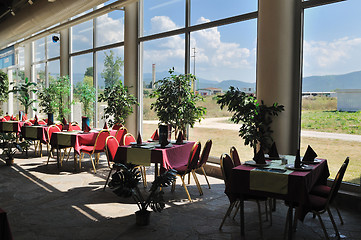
[[61, 86], [4, 87], [89, 72], [86, 94], [112, 68]]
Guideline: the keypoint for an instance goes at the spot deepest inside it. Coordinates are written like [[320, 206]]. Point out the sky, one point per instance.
[[332, 39]]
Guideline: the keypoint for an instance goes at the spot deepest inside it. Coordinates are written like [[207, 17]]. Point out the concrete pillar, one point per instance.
[[64, 52], [10, 103], [279, 67], [29, 72], [131, 62]]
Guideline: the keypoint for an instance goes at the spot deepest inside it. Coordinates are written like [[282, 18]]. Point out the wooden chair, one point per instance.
[[111, 147], [187, 169], [98, 147]]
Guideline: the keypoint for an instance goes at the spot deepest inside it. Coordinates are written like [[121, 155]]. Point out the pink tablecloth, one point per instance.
[[168, 157]]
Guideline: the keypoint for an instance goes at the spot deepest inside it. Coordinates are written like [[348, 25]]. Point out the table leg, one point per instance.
[[290, 220], [75, 160], [156, 170], [57, 157], [241, 206]]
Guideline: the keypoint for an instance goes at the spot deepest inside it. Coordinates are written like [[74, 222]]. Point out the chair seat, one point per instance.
[[321, 190], [181, 170], [317, 203]]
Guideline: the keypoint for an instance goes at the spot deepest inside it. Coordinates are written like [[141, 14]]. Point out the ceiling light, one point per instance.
[[30, 2], [12, 12], [51, 0], [55, 38]]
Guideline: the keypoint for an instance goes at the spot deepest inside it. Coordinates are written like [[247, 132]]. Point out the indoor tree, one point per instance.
[[86, 94], [112, 69], [254, 116], [61, 86], [175, 102], [23, 93], [4, 87]]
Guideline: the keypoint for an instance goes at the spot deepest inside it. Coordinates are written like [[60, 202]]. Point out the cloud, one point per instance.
[[164, 4], [162, 24], [331, 57]]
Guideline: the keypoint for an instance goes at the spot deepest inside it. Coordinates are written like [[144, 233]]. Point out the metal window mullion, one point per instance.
[[187, 38], [95, 78]]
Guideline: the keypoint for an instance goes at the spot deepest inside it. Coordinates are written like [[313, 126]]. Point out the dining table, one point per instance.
[[11, 126], [35, 133], [277, 180], [167, 157], [74, 139]]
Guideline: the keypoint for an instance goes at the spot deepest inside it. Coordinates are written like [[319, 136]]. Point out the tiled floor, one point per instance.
[[45, 203]]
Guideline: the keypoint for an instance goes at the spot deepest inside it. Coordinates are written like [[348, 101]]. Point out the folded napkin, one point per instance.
[[298, 159], [139, 139], [155, 135], [28, 124], [70, 128], [36, 122], [64, 121], [273, 153], [180, 137], [24, 117], [105, 125], [86, 128], [310, 155], [2, 120], [12, 118], [259, 157]]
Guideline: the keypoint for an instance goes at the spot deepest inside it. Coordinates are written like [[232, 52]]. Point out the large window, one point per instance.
[[82, 36], [332, 56], [110, 28]]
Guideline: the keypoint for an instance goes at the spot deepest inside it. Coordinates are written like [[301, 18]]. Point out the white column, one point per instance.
[[65, 63], [134, 121], [29, 71], [279, 67], [10, 103]]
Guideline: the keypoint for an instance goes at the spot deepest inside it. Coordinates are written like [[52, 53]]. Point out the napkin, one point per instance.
[[24, 118], [105, 125], [273, 153], [259, 157], [139, 139], [28, 124], [180, 137], [2, 120], [64, 121], [155, 135], [36, 120], [87, 128], [309, 155], [298, 159], [12, 118], [70, 128]]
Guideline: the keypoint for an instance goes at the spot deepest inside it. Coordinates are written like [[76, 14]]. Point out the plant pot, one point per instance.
[[164, 134], [84, 122], [142, 217], [50, 119], [9, 161]]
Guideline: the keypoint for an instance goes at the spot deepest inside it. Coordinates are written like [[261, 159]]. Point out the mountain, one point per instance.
[[332, 82]]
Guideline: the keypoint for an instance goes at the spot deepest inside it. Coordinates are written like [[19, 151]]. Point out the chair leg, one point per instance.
[[260, 218], [205, 175], [237, 208], [339, 214], [105, 185], [91, 158], [333, 222], [81, 155], [173, 185], [145, 177], [197, 183], [189, 178], [49, 155], [41, 149], [270, 210], [185, 188], [323, 226], [229, 210]]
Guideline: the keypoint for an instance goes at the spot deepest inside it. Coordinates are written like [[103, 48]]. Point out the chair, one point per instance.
[[7, 118], [117, 126], [226, 166], [127, 139], [234, 156], [324, 191], [50, 131], [119, 135], [319, 205], [182, 171], [98, 147], [203, 159], [111, 147], [75, 126]]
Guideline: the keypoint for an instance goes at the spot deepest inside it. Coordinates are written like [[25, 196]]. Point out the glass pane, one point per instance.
[[82, 36], [20, 51], [82, 72], [107, 63], [163, 15], [53, 45], [332, 53], [110, 28], [39, 49], [40, 73], [53, 69], [18, 76], [218, 9]]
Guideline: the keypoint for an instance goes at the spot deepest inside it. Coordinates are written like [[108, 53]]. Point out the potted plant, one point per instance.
[[61, 87], [86, 94], [119, 103], [47, 102], [255, 117], [23, 91], [175, 102], [4, 88], [10, 145], [125, 184]]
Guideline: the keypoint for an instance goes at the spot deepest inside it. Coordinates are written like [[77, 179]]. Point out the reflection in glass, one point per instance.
[[53, 47], [110, 28], [39, 48], [82, 36]]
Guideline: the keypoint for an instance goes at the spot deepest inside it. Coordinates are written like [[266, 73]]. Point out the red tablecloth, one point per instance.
[[35, 132], [168, 157], [5, 233]]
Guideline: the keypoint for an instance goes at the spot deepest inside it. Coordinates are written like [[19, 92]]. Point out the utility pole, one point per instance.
[[194, 67]]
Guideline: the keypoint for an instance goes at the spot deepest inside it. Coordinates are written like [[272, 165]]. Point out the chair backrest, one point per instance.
[[111, 147], [117, 126], [234, 156], [60, 126], [120, 135], [226, 166], [75, 126], [194, 156], [205, 153], [51, 130], [99, 145], [42, 122], [128, 138], [338, 180], [7, 118]]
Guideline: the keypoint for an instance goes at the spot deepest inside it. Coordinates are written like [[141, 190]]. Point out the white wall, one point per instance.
[[349, 100]]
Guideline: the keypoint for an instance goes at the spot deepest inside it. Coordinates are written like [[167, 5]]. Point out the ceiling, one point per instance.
[[8, 6]]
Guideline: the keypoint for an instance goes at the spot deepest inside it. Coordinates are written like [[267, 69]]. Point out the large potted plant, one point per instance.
[[255, 117], [125, 184], [86, 94], [23, 91], [61, 87], [10, 145], [4, 88], [175, 102], [47, 102], [119, 103]]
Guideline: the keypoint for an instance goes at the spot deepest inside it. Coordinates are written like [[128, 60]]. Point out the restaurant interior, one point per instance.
[[108, 171]]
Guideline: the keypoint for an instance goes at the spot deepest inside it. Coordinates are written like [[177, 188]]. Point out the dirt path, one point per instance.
[[220, 123]]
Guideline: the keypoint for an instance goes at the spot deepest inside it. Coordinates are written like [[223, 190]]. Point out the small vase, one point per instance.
[[163, 134], [84, 122], [50, 119], [142, 217]]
